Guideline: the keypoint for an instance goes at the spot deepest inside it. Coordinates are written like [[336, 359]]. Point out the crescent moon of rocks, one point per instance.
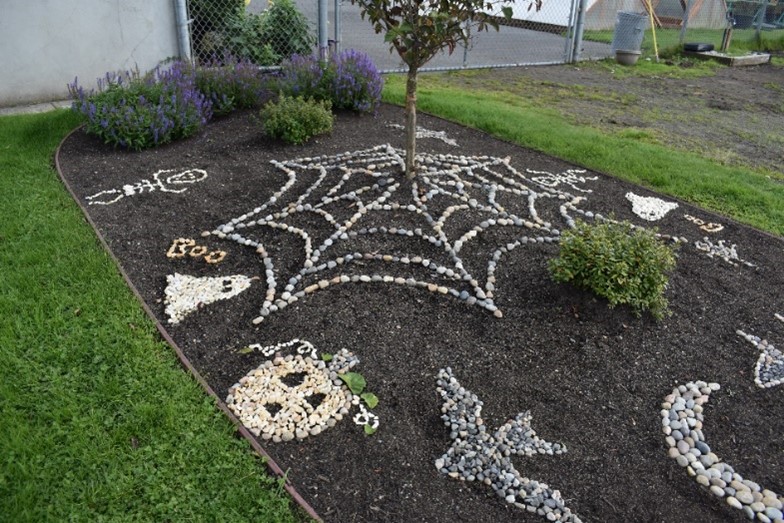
[[682, 418]]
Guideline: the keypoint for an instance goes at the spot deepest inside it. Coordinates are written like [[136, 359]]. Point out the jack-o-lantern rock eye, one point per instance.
[[273, 408], [316, 399], [294, 379]]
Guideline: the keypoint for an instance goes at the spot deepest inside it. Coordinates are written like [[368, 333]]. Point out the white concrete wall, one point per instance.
[[44, 44]]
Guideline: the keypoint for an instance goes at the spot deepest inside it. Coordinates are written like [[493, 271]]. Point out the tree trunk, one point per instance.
[[411, 85]]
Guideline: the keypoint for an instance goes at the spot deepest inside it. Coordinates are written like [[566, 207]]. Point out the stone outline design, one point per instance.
[[459, 180], [769, 369], [475, 455], [182, 246], [421, 132], [185, 294], [297, 418], [682, 420], [703, 225], [720, 250], [167, 184], [570, 177], [650, 208]]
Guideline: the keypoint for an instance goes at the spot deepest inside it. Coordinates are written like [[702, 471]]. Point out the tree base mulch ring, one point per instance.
[[593, 378]]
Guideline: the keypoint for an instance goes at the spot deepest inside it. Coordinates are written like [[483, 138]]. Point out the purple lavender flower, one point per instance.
[[135, 111], [356, 83]]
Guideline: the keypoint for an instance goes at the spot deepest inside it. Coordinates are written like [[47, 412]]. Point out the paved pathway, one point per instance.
[[34, 108]]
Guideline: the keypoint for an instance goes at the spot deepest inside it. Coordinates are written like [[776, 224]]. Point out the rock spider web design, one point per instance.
[[342, 208]]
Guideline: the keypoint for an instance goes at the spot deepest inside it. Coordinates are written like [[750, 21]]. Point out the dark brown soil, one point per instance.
[[593, 378]]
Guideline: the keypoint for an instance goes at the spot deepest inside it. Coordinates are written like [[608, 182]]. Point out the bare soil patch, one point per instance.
[[733, 116]]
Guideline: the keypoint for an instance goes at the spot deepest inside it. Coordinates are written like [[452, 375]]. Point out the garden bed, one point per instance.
[[593, 379]]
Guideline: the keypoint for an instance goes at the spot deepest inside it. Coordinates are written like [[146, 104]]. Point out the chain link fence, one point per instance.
[[265, 35], [531, 37], [266, 32]]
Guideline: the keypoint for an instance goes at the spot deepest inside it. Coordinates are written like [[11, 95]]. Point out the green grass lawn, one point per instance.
[[748, 196], [98, 420]]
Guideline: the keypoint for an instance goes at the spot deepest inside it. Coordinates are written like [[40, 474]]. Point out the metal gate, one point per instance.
[[550, 35]]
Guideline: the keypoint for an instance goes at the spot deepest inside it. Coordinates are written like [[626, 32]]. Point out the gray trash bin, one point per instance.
[[629, 30]]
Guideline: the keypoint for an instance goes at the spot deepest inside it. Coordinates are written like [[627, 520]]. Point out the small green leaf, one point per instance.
[[326, 356], [369, 398], [369, 430], [507, 12], [245, 350], [355, 381]]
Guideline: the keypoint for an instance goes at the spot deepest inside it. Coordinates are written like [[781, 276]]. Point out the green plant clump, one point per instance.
[[285, 29], [296, 120], [264, 39], [624, 264]]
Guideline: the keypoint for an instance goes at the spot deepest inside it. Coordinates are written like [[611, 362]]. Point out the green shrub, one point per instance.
[[296, 120], [244, 40], [223, 28], [626, 265], [285, 29], [210, 19]]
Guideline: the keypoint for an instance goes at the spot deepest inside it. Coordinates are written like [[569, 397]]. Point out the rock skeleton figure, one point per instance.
[[332, 203]]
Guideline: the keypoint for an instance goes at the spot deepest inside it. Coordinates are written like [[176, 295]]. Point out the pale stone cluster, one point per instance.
[[160, 181], [294, 416], [421, 132], [650, 208], [682, 423], [185, 294], [705, 226], [297, 395], [769, 369], [571, 177], [719, 250], [181, 247]]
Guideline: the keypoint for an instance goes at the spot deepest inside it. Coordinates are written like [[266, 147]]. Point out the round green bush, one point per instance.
[[296, 120], [625, 264]]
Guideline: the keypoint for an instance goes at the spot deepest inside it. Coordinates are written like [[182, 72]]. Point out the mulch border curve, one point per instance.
[[271, 464]]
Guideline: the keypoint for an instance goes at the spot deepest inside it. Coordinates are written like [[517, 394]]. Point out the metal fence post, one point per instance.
[[467, 29], [323, 37], [183, 29], [685, 23], [580, 26], [337, 28], [569, 43]]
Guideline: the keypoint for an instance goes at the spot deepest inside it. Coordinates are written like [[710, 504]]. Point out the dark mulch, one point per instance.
[[593, 378]]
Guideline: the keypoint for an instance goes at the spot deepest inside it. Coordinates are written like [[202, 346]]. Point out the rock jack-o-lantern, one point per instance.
[[295, 396]]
